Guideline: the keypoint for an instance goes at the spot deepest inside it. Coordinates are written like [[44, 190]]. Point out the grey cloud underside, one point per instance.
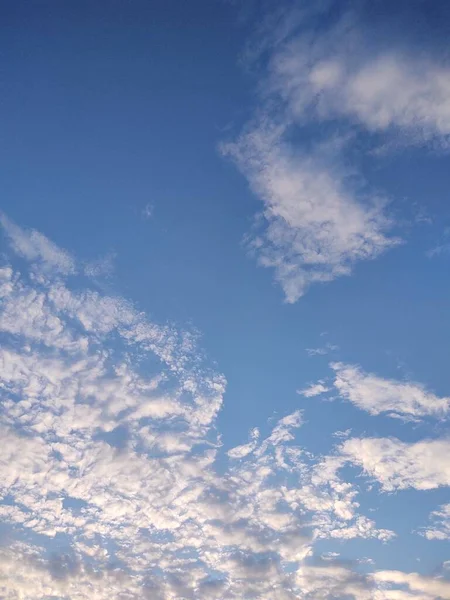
[[108, 423]]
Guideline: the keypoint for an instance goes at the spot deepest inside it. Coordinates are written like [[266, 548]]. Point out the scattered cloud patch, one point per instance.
[[102, 267], [109, 429], [377, 395], [315, 389], [316, 227], [397, 465], [440, 529], [323, 350], [34, 246]]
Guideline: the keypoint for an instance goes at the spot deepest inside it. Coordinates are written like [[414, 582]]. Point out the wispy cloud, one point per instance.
[[322, 350], [101, 267], [378, 395], [333, 78], [395, 464], [315, 389], [440, 528], [33, 245], [316, 227], [342, 74]]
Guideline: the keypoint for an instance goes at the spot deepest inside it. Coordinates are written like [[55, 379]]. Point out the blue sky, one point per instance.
[[224, 300]]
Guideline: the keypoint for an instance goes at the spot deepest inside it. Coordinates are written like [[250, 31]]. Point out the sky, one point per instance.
[[224, 299]]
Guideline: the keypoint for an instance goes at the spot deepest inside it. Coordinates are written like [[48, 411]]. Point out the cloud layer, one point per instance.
[[109, 481]]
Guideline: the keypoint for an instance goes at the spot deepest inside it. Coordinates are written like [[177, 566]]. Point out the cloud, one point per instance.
[[430, 587], [109, 423], [32, 245], [110, 442], [332, 84], [333, 581], [316, 226], [315, 389], [322, 350], [362, 71], [245, 449], [337, 580], [423, 465], [441, 524], [377, 395], [102, 267], [438, 250]]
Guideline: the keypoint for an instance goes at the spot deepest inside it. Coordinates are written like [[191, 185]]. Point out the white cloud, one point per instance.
[[317, 227], [440, 529], [34, 246], [429, 588], [423, 465], [333, 581], [315, 389], [352, 70], [341, 78], [377, 395], [109, 429], [245, 449]]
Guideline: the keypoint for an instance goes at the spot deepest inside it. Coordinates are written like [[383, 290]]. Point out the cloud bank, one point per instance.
[[109, 478]]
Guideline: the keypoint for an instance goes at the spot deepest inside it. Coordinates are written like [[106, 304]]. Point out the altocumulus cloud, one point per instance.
[[108, 471]]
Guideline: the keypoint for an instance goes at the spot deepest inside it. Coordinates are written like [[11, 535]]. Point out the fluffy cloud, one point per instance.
[[426, 588], [377, 395], [110, 443], [340, 74], [423, 465], [316, 226], [343, 77]]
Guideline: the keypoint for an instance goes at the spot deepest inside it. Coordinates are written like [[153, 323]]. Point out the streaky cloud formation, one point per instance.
[[34, 246], [377, 395]]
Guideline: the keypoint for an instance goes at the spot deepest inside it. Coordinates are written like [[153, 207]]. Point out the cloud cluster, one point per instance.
[[108, 424], [109, 482]]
